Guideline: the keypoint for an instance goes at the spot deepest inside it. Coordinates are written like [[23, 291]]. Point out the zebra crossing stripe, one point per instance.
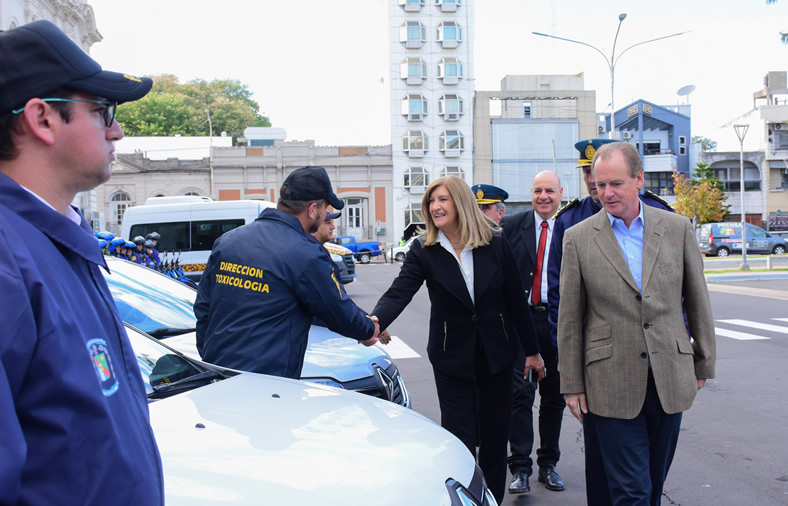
[[741, 336], [756, 325], [398, 349]]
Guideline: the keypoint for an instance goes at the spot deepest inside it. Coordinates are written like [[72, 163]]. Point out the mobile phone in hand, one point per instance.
[[533, 378]]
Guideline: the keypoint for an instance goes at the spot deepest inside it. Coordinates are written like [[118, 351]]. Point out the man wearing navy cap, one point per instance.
[[571, 214], [74, 423], [266, 280], [490, 200]]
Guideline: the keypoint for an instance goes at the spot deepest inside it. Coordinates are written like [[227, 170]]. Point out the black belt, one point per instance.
[[539, 307]]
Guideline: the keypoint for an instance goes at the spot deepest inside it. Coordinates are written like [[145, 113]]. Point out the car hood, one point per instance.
[[328, 355], [256, 439]]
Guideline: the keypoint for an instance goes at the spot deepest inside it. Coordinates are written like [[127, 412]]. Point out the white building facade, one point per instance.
[[432, 86]]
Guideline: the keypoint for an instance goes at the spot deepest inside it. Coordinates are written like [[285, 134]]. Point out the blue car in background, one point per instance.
[[162, 307]]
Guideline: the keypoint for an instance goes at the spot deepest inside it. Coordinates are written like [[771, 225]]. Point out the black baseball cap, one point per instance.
[[38, 58], [310, 183]]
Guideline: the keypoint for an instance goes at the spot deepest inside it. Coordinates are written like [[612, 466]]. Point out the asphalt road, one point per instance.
[[733, 448]]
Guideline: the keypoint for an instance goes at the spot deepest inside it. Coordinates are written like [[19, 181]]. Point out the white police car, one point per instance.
[[244, 439], [163, 308]]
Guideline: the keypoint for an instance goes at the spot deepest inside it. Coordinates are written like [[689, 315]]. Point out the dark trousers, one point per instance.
[[476, 410], [551, 407], [637, 453], [597, 493]]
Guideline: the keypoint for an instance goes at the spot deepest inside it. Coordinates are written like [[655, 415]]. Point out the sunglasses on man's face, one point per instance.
[[109, 107]]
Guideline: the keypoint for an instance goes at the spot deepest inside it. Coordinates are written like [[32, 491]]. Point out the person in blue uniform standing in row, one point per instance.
[[266, 280], [571, 214], [74, 422]]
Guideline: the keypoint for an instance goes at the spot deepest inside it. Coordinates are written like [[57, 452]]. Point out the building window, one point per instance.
[[682, 140], [411, 5], [682, 150], [416, 178], [413, 215], [450, 107], [414, 143], [414, 107], [412, 35], [527, 110], [450, 70], [449, 34], [119, 202], [729, 175], [413, 71], [451, 143], [660, 183], [780, 140], [453, 171], [448, 5]]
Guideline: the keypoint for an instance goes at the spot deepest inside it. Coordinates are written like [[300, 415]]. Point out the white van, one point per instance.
[[188, 226]]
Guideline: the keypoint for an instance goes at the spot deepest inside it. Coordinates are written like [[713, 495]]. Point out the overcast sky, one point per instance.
[[320, 69]]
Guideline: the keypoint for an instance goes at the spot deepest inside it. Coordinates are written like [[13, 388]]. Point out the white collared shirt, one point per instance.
[[538, 229], [70, 213], [465, 261]]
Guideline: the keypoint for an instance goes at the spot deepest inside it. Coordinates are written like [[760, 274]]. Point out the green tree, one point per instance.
[[783, 35], [702, 172], [705, 143], [701, 202], [173, 108]]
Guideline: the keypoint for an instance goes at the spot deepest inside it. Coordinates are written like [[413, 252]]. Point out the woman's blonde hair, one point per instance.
[[475, 228]]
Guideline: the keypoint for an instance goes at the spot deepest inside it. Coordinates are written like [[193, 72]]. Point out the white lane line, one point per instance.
[[398, 349], [757, 325], [780, 319], [741, 336]]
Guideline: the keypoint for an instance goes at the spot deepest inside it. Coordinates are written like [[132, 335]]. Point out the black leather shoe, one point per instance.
[[550, 478], [519, 483]]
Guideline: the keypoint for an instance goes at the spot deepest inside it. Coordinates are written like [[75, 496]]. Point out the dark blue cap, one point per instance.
[[310, 183], [489, 194], [332, 216], [38, 58], [587, 149]]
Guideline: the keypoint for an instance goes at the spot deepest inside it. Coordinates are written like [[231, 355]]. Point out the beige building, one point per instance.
[[765, 157], [531, 125], [360, 175]]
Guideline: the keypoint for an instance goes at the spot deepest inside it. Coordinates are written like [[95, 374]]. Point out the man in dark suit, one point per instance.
[[627, 360], [529, 234]]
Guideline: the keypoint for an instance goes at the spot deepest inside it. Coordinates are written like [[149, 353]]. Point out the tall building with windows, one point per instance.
[[431, 79]]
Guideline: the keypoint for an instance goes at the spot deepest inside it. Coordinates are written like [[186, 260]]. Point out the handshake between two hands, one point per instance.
[[381, 337]]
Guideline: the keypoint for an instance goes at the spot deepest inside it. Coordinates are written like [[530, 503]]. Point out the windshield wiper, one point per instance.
[[169, 332], [167, 389]]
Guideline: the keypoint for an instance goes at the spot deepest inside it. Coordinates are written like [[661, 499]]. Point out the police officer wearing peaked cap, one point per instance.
[[571, 214], [490, 200], [266, 280]]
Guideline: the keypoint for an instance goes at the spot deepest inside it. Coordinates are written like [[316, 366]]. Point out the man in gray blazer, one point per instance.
[[625, 356]]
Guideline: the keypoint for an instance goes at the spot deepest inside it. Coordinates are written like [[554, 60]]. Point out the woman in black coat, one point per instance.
[[479, 316]]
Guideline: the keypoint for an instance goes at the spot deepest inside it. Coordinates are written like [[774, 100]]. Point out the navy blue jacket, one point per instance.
[[74, 423], [499, 319], [263, 283], [572, 214]]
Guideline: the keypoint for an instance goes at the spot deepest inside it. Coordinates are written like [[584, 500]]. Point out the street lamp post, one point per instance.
[[210, 152], [611, 63], [741, 131]]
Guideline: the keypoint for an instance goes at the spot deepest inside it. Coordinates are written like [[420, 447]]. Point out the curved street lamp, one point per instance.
[[741, 131], [611, 62]]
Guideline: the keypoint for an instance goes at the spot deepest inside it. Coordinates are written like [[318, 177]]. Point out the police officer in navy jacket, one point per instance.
[[74, 423], [264, 281]]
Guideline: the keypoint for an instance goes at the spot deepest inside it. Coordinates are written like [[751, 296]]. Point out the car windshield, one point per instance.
[[159, 365], [148, 300]]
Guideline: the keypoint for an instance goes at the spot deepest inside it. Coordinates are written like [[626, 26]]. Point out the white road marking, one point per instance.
[[398, 349], [741, 336], [757, 325], [780, 319]]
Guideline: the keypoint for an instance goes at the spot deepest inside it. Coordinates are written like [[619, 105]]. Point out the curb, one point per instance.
[[755, 276]]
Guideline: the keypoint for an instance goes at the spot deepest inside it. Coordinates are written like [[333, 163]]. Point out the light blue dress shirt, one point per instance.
[[630, 240]]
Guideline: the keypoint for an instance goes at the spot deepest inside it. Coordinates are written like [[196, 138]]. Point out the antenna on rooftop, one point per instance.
[[684, 91]]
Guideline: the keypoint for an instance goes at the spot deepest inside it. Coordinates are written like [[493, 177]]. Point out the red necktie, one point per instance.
[[536, 292]]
